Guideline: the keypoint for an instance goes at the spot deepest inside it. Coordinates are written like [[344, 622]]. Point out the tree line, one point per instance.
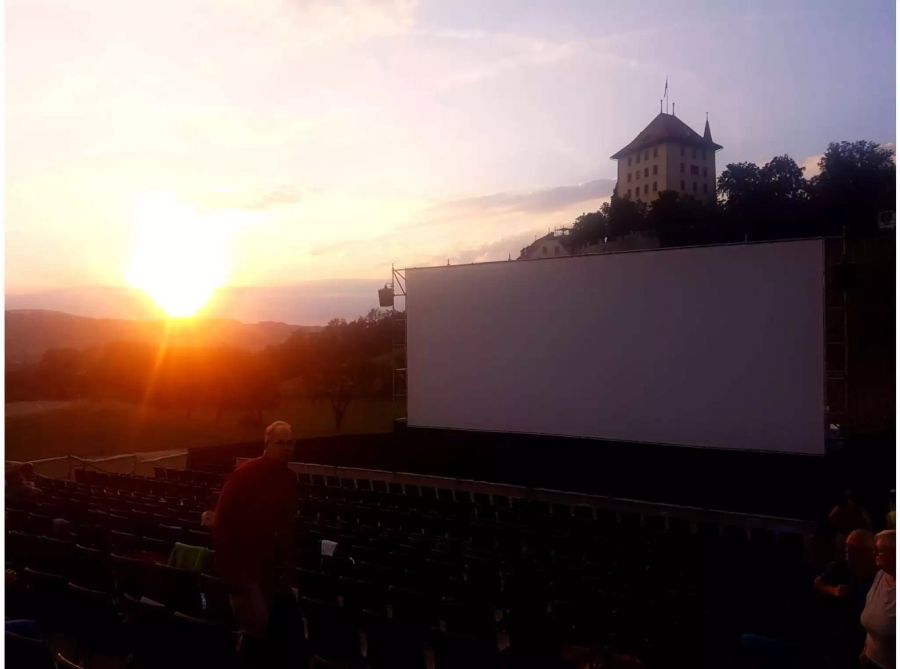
[[342, 361], [856, 181]]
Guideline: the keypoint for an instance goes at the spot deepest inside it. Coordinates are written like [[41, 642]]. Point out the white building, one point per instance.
[[553, 244]]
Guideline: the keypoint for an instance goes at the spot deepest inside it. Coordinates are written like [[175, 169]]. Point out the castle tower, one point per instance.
[[668, 155]]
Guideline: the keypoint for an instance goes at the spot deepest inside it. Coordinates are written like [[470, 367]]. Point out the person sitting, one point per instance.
[[843, 587], [879, 615], [849, 579], [848, 515]]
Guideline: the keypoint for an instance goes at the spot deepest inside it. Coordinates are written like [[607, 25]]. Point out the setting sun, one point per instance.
[[180, 258]]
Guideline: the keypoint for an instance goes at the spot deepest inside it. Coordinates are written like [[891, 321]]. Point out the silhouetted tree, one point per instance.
[[855, 182]]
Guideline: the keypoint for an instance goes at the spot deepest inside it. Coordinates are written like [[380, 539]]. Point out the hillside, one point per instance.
[[30, 332]]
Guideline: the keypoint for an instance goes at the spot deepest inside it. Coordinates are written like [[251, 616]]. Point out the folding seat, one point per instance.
[[60, 661], [379, 486], [158, 548], [176, 588], [412, 606], [330, 632], [50, 554], [93, 617], [391, 644], [457, 651], [317, 585], [46, 596], [90, 567], [196, 642], [466, 617], [39, 523], [146, 630], [123, 543], [359, 596], [26, 652], [215, 602]]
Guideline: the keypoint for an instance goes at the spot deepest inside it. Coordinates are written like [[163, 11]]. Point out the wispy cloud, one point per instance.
[[546, 200]]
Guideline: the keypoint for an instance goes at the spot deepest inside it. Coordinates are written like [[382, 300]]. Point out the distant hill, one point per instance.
[[31, 332], [308, 302]]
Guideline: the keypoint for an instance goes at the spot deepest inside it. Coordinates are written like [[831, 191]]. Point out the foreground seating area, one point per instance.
[[420, 576]]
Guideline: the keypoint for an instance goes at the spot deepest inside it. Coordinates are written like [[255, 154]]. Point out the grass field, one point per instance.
[[40, 430]]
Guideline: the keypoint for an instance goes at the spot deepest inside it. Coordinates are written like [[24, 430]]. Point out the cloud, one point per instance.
[[502, 249], [543, 201], [280, 196], [811, 166]]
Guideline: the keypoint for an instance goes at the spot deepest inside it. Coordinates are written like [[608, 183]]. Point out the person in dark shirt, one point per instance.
[[843, 587], [253, 530]]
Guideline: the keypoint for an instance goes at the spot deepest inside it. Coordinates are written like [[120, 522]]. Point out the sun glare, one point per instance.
[[180, 258]]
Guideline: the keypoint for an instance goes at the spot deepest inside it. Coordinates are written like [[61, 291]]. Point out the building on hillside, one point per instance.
[[553, 244], [667, 155]]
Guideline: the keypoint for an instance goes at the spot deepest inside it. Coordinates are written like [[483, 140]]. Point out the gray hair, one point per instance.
[[887, 537], [275, 426]]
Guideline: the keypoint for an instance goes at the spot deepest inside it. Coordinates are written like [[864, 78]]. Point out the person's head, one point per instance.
[[885, 551], [279, 441], [859, 549]]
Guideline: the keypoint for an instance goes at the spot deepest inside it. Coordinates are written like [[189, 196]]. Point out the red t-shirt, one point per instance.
[[253, 532]]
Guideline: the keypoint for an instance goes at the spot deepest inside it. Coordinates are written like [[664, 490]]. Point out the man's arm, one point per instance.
[[829, 590]]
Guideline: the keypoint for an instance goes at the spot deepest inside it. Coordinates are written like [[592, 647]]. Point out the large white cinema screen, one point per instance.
[[717, 347]]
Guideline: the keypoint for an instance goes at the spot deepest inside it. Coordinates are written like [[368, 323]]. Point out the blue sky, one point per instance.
[[316, 142]]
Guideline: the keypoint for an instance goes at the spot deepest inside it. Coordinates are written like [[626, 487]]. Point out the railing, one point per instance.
[[142, 464], [692, 515]]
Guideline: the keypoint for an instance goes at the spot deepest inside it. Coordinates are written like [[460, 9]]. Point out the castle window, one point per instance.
[[544, 250], [654, 152], [682, 184], [682, 168], [647, 155], [695, 186], [704, 171], [694, 154], [705, 189], [628, 193], [654, 186], [646, 188], [654, 169], [646, 171], [682, 150], [637, 158], [695, 170], [629, 177], [629, 161]]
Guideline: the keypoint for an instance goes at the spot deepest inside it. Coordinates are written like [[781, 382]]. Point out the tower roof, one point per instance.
[[666, 127]]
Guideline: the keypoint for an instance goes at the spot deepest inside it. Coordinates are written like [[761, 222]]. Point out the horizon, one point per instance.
[[422, 134]]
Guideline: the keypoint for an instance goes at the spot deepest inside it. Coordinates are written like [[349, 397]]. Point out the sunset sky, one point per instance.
[[305, 142]]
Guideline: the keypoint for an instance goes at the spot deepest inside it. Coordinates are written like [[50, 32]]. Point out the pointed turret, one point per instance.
[[707, 135]]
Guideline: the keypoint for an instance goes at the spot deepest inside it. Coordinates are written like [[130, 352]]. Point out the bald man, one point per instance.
[[253, 531], [851, 577]]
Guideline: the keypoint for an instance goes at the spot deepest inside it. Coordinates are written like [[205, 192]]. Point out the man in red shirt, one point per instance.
[[253, 531]]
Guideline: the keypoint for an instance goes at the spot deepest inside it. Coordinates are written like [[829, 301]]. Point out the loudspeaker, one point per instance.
[[386, 297]]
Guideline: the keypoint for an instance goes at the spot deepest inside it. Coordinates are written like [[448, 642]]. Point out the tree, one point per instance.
[[740, 186], [625, 217], [782, 180], [856, 180], [679, 219]]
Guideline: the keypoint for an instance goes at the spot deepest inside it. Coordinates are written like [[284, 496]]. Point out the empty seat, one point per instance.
[[26, 652], [331, 633], [196, 642]]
